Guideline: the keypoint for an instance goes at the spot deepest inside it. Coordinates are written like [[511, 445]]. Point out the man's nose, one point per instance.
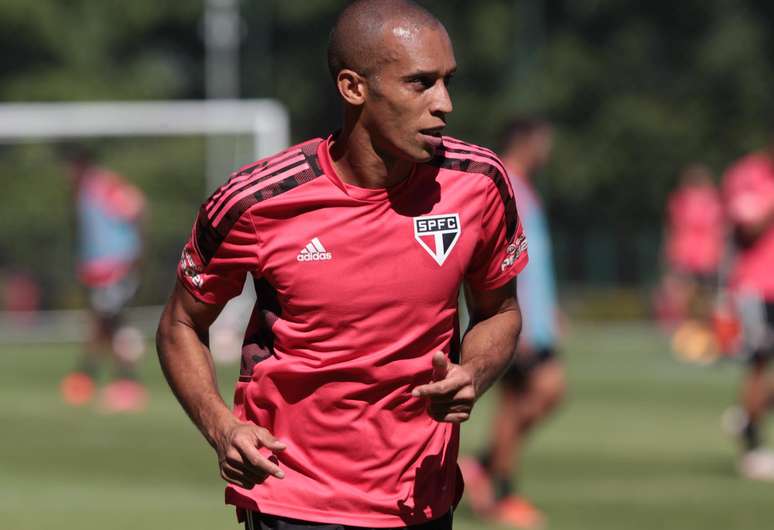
[[442, 103]]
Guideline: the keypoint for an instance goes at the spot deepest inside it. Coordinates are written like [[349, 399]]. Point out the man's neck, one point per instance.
[[357, 161]]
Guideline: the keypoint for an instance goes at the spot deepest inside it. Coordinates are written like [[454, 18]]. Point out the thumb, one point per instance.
[[440, 366]]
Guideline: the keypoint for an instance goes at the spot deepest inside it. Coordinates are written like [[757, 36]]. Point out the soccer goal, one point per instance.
[[198, 142]]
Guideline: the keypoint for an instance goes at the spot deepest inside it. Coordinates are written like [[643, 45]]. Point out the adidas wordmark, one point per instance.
[[314, 251]]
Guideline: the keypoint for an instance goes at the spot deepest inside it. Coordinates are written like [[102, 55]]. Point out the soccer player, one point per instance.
[[534, 384], [353, 381], [748, 188], [695, 226], [694, 242], [109, 217]]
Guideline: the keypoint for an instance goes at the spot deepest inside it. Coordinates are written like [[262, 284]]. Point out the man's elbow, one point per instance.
[[515, 326], [514, 313], [164, 332]]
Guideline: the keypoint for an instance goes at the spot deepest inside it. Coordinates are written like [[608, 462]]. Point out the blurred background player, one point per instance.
[[535, 383], [694, 240], [748, 188], [109, 214]]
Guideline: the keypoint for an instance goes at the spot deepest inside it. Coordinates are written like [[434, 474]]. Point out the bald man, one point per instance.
[[353, 380]]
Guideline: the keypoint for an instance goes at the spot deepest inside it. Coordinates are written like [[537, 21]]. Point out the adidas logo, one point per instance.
[[314, 251]]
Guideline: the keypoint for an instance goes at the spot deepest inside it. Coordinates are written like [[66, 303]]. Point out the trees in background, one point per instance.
[[636, 91]]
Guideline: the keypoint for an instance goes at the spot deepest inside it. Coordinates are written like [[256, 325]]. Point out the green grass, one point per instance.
[[636, 446]]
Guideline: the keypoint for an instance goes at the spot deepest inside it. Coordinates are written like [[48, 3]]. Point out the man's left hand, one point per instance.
[[451, 393]]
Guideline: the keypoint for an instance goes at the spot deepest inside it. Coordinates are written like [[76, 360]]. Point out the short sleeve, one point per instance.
[[501, 251], [216, 259]]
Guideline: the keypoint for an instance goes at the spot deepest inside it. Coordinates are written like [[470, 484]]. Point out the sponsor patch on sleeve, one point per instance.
[[513, 252], [191, 267]]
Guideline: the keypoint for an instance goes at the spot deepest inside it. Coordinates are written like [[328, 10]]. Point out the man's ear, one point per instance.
[[352, 87]]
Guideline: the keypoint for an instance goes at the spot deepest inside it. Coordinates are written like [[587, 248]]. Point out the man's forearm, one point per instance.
[[190, 372], [488, 347]]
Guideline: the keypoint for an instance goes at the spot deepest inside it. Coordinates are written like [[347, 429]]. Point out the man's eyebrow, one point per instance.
[[430, 73]]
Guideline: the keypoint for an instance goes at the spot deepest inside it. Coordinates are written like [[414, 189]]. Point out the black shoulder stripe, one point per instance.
[[229, 186], [209, 236], [498, 178], [252, 182], [487, 155]]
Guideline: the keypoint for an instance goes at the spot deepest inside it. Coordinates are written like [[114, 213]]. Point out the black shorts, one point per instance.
[[523, 365], [259, 521], [109, 301], [760, 334], [702, 280]]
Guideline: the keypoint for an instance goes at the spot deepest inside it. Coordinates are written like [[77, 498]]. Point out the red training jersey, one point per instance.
[[749, 192], [356, 290], [695, 229]]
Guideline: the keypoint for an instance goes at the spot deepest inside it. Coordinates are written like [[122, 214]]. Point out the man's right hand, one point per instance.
[[240, 461]]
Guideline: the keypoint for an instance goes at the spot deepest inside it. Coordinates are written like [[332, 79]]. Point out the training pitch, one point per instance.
[[638, 445]]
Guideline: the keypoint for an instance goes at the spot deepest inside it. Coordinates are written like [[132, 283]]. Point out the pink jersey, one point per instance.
[[749, 192], [695, 227], [356, 290]]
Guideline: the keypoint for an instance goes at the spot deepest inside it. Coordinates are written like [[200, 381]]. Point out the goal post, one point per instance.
[[265, 120]]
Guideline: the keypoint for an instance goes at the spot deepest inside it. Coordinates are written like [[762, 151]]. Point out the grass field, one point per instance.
[[637, 446]]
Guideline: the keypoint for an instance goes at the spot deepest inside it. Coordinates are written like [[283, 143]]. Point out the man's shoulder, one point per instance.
[[265, 179], [296, 156], [470, 161]]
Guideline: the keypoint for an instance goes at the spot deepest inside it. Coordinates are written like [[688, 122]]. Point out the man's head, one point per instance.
[[78, 157], [391, 61], [526, 143], [696, 175]]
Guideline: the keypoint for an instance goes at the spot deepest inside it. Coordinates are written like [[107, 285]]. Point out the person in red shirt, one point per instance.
[[694, 241], [695, 225], [694, 244], [748, 189], [110, 214], [353, 380]]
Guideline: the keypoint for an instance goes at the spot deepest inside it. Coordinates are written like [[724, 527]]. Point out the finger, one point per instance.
[[269, 441], [445, 408], [236, 476], [256, 477], [440, 366], [449, 417], [459, 394], [457, 417], [261, 464], [446, 387], [245, 470]]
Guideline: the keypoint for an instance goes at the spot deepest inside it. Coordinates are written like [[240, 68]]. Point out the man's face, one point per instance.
[[407, 102], [542, 143]]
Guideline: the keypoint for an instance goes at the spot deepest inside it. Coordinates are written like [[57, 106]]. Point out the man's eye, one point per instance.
[[422, 82]]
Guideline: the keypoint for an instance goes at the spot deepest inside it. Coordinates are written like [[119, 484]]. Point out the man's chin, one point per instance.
[[427, 151], [427, 156], [418, 153]]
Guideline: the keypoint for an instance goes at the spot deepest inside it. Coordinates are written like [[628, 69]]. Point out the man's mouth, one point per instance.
[[435, 131]]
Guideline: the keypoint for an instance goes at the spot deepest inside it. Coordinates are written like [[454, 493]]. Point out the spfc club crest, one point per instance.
[[438, 234]]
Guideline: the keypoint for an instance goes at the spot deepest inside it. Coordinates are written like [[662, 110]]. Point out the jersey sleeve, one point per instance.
[[501, 251], [217, 257]]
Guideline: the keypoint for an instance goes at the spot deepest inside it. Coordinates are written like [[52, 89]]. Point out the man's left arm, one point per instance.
[[487, 350]]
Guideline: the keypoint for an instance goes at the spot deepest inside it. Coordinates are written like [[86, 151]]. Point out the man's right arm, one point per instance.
[[182, 344]]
